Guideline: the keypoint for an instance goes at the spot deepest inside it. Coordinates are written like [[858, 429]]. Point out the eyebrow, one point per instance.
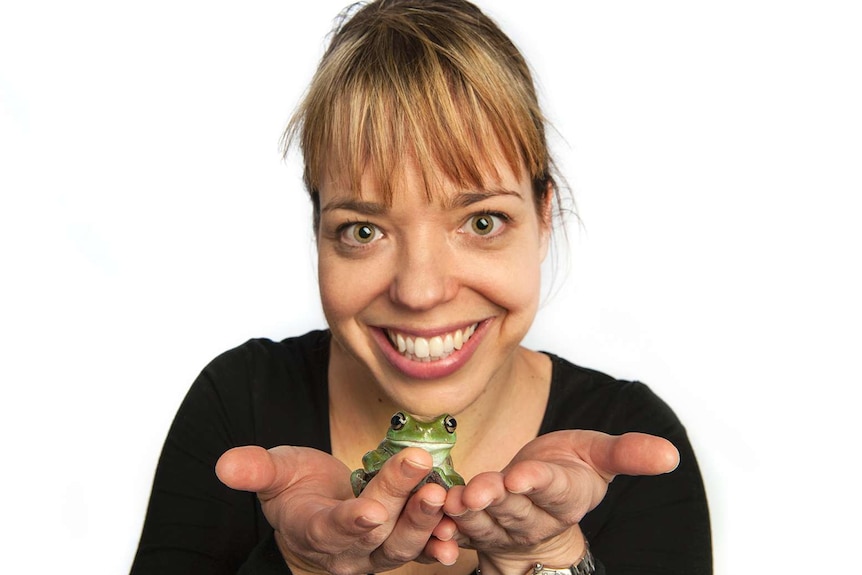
[[459, 200], [465, 199], [360, 206]]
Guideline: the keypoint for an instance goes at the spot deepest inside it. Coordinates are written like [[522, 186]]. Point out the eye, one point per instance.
[[485, 224], [361, 233], [397, 422], [450, 424]]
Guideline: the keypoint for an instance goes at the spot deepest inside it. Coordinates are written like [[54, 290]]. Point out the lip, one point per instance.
[[430, 369]]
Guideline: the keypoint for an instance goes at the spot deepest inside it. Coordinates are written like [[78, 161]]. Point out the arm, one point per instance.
[[194, 524], [320, 527], [633, 524], [531, 511], [654, 524]]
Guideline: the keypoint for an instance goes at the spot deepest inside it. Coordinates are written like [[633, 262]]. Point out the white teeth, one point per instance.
[[448, 344], [421, 349], [437, 347]]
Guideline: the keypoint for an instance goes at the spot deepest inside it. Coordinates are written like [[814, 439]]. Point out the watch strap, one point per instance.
[[586, 566]]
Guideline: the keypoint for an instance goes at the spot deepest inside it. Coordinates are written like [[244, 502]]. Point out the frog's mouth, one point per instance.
[[430, 446], [434, 348]]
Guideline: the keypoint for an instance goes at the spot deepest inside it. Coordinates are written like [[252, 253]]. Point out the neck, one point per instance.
[[506, 414]]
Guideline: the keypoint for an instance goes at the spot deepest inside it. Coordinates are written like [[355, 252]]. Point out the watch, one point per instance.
[[586, 566]]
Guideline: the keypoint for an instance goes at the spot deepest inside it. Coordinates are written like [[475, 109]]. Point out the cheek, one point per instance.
[[346, 286], [513, 281]]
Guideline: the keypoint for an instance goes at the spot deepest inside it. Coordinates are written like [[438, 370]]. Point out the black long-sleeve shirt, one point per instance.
[[275, 393]]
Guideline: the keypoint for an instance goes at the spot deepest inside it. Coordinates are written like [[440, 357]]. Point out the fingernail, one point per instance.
[[414, 468], [430, 507], [446, 563], [523, 491], [363, 521]]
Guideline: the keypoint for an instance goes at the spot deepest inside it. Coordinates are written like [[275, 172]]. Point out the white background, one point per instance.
[[147, 223]]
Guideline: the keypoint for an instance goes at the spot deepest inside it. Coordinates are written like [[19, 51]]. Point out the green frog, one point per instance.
[[437, 437]]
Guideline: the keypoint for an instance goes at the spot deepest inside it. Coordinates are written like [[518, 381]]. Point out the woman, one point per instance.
[[429, 173]]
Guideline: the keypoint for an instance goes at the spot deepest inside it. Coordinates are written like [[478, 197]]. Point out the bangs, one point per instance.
[[409, 88]]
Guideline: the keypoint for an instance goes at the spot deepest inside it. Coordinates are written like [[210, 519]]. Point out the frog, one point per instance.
[[437, 437]]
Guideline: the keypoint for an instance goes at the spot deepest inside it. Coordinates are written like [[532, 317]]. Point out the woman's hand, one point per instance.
[[530, 510], [320, 527]]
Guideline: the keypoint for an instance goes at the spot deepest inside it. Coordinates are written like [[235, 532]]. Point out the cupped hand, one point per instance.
[[530, 511], [321, 527]]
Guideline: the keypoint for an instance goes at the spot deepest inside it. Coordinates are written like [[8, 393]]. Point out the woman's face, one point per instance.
[[433, 297]]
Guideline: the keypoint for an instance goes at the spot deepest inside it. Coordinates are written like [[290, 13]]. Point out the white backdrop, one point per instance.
[[147, 223]]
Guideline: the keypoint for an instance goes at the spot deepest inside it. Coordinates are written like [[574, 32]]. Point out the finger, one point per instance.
[[270, 472], [446, 529], [609, 455], [565, 493], [632, 454], [333, 530], [413, 528], [247, 468], [522, 519], [445, 552], [506, 515], [467, 507], [395, 482]]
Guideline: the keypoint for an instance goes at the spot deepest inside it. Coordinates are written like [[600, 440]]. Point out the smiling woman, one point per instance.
[[426, 161], [427, 275]]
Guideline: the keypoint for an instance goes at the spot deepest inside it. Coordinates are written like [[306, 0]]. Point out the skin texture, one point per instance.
[[426, 271], [424, 268], [437, 437], [551, 484]]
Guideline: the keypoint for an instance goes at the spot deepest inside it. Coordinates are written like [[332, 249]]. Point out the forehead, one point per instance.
[[409, 182]]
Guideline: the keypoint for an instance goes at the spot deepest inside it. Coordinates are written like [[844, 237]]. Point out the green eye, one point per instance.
[[363, 233], [483, 224]]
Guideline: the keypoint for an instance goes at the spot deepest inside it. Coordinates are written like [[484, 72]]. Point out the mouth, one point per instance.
[[432, 355], [418, 348]]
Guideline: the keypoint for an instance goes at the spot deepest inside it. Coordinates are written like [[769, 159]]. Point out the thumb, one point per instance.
[[266, 472], [632, 454], [270, 472], [253, 468]]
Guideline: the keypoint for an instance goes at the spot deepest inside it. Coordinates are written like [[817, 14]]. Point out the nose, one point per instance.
[[424, 275]]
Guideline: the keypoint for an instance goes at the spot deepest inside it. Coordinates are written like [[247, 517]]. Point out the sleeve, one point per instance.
[[195, 524], [652, 525]]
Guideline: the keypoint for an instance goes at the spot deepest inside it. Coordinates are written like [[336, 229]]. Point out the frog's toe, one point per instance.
[[444, 480], [358, 481]]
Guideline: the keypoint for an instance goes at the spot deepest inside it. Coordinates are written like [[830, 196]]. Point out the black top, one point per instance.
[[275, 393]]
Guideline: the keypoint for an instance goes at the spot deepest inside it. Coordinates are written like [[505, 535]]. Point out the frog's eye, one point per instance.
[[450, 424], [397, 422]]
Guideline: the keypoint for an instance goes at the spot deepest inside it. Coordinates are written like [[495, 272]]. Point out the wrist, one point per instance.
[[560, 553]]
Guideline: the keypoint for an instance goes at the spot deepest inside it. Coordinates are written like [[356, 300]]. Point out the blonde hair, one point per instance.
[[435, 81]]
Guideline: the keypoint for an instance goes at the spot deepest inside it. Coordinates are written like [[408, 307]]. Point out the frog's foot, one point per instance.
[[359, 480], [446, 480]]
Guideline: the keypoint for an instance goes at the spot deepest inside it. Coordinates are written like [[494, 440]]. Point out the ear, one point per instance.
[[546, 221]]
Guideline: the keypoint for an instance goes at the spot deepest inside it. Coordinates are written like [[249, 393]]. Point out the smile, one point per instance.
[[430, 349]]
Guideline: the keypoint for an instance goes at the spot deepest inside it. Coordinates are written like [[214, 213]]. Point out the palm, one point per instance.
[[320, 526]]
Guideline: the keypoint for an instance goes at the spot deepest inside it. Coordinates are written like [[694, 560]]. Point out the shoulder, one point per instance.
[[589, 399], [648, 521], [260, 384], [295, 353]]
